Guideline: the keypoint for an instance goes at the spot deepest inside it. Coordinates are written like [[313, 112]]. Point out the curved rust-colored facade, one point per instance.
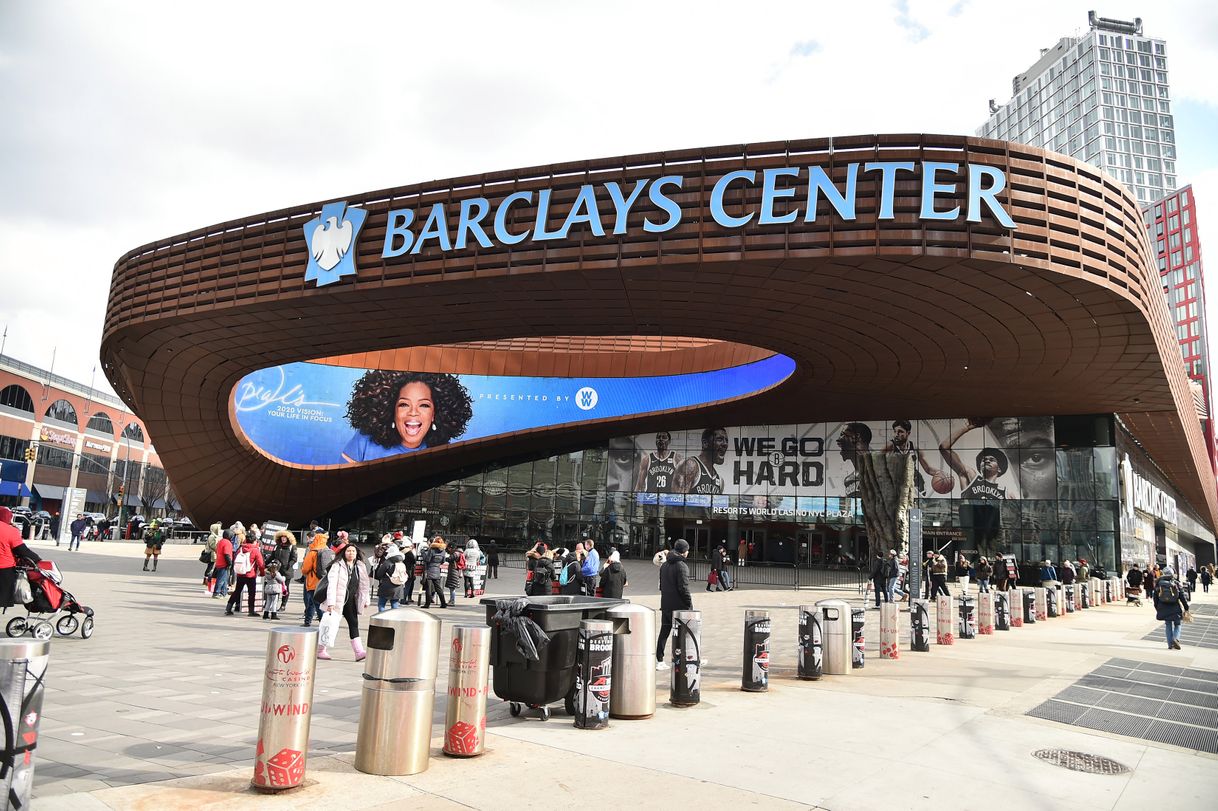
[[1063, 315]]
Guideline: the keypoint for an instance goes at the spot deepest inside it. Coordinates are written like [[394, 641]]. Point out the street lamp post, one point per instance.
[[124, 490]]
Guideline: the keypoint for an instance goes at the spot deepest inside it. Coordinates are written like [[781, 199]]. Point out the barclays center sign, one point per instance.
[[1139, 494], [789, 196]]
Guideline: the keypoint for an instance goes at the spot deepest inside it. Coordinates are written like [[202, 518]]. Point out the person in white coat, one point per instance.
[[348, 593]]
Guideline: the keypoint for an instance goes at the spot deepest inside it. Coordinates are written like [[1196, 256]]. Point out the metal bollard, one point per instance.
[[287, 704], [944, 620], [888, 631], [755, 673], [1051, 603], [985, 613], [1029, 607], [919, 625], [23, 668], [469, 662], [685, 689], [1040, 593], [858, 621], [968, 617], [811, 643], [394, 734], [634, 688], [1002, 611], [593, 674]]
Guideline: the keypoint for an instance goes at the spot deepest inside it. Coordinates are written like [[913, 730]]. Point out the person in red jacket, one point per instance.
[[223, 568], [11, 548], [247, 566]]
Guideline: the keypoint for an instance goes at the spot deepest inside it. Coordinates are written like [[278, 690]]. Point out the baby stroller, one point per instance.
[[1133, 595], [48, 598]]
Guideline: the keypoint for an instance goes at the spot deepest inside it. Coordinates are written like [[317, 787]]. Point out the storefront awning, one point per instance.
[[135, 502], [17, 489], [158, 504], [48, 491], [96, 497]]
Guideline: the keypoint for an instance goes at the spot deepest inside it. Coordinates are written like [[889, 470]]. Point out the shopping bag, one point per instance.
[[22, 593], [1188, 616], [327, 630]]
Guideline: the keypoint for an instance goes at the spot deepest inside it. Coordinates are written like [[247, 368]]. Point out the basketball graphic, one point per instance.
[[943, 482]]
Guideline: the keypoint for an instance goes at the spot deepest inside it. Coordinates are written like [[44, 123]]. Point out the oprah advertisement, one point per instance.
[[318, 415]]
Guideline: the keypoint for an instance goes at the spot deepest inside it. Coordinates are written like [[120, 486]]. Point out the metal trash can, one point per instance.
[[839, 639], [755, 670], [685, 688], [394, 735], [919, 625], [287, 709], [1029, 607], [811, 643], [858, 653], [23, 669], [888, 632], [634, 670], [469, 681], [944, 620], [968, 617], [593, 674], [1002, 611]]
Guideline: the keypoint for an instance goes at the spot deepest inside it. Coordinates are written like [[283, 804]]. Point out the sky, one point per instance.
[[127, 122]]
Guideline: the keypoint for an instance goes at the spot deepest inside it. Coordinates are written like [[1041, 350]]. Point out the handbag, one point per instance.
[[1188, 617], [327, 629], [22, 593], [205, 556]]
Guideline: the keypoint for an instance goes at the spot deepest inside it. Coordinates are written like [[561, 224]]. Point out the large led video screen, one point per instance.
[[315, 414]]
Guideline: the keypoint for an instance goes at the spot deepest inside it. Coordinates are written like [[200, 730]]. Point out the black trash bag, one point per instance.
[[530, 639]]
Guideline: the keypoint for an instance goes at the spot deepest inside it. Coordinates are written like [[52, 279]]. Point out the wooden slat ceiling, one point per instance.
[[883, 318]]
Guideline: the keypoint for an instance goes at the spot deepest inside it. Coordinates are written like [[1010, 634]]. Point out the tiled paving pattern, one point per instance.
[[1175, 705], [1202, 632]]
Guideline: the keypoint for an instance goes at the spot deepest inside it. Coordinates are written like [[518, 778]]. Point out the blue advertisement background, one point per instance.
[[296, 412]]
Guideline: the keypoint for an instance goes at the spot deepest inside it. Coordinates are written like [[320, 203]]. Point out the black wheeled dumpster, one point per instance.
[[550, 678]]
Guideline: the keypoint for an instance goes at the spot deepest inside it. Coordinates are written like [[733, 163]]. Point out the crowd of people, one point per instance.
[[574, 571]]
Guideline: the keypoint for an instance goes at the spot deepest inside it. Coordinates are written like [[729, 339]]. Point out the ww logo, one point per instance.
[[586, 398]]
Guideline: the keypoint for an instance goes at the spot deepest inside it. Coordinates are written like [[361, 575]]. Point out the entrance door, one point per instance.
[[755, 538], [810, 548], [698, 538]]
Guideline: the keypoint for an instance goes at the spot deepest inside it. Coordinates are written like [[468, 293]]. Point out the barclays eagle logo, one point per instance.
[[331, 236]]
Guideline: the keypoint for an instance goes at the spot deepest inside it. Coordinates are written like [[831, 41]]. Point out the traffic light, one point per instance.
[[120, 490], [29, 454]]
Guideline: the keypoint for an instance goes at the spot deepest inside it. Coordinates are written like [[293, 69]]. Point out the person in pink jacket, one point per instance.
[[348, 591], [246, 568]]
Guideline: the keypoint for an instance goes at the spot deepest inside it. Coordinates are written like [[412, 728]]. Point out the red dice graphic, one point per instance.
[[285, 769], [462, 738]]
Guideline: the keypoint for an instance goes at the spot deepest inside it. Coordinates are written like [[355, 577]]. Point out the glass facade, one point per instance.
[[784, 494]]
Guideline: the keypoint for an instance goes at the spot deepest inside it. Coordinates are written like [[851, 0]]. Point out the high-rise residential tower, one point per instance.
[[1102, 97]]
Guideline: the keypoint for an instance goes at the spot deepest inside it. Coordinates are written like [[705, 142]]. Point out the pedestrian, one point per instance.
[[1191, 577], [963, 569], [938, 577], [661, 555], [742, 551], [927, 565], [613, 577], [570, 566], [1084, 571], [1000, 573], [154, 539], [456, 572], [591, 568], [390, 576], [285, 553], [434, 557], [1133, 585], [215, 533], [409, 560], [12, 547], [1170, 606], [224, 566], [274, 584], [1207, 577], [103, 529], [543, 574], [724, 564], [879, 578], [1048, 575], [247, 565], [314, 567], [473, 568], [674, 595], [984, 572], [77, 529], [1067, 573], [492, 559], [348, 592]]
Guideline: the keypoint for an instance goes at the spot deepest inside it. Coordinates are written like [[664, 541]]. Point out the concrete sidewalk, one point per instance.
[[159, 710]]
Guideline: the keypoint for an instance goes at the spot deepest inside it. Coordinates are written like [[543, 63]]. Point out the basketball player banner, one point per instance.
[[945, 620]]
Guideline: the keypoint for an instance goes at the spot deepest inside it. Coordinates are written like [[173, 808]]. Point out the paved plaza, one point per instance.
[[160, 710]]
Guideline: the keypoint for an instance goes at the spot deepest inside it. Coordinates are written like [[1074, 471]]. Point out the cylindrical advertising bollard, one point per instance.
[[889, 632], [811, 643], [1068, 598], [919, 625], [1002, 611], [839, 644], [755, 672], [593, 674], [1029, 607], [23, 668], [1040, 594], [469, 662], [395, 711], [1084, 594], [287, 708], [685, 690], [968, 617], [944, 620], [985, 613], [1109, 593], [1097, 592], [634, 663], [858, 620], [1051, 604]]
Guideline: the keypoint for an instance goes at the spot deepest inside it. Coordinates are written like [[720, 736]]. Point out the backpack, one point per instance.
[[460, 560], [564, 576], [398, 576], [1167, 592], [242, 563]]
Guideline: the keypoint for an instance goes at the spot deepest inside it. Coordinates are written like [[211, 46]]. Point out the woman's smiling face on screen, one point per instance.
[[415, 413]]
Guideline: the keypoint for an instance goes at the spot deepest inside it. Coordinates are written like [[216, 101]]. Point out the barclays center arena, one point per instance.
[[697, 344]]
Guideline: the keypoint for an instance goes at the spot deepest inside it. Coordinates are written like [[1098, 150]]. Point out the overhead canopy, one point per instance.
[[96, 497], [17, 489], [49, 491]]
